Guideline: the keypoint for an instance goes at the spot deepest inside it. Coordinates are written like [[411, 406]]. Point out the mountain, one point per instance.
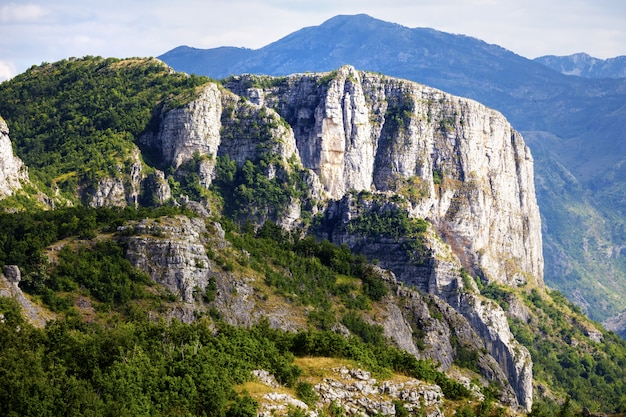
[[572, 123], [584, 65], [346, 243]]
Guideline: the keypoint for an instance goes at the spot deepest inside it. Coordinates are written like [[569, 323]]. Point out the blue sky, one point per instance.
[[34, 31]]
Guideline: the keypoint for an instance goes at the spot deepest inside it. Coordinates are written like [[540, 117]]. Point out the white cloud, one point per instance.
[[7, 70], [21, 13]]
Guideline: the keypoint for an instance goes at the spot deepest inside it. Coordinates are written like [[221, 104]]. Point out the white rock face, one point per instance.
[[192, 128], [491, 323], [172, 253], [361, 131], [358, 394], [12, 169]]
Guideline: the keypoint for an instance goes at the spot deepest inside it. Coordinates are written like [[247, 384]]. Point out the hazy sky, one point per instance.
[[34, 31]]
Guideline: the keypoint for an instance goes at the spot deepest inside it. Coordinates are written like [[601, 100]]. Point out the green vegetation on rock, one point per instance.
[[76, 120]]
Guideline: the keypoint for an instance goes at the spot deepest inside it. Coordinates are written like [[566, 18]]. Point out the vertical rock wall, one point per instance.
[[12, 170]]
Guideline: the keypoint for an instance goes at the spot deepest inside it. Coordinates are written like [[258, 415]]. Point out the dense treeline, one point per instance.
[[145, 368], [130, 369]]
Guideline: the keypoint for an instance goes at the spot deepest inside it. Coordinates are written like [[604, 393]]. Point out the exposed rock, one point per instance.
[[12, 273], [435, 269], [156, 190], [266, 378], [12, 170], [397, 329], [514, 359], [9, 281], [362, 131], [172, 253], [517, 309], [357, 393], [120, 191], [278, 404], [192, 128], [109, 192]]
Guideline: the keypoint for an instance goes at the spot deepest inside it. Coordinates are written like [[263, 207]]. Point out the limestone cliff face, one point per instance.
[[174, 252], [449, 160], [462, 165], [218, 123], [120, 191], [431, 266], [469, 171], [12, 169], [193, 128]]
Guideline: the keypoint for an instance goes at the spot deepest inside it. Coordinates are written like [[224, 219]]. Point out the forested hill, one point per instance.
[[185, 247], [75, 121]]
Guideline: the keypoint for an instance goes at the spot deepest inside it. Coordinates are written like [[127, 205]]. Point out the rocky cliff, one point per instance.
[[12, 170], [473, 173], [461, 165], [375, 144], [9, 287]]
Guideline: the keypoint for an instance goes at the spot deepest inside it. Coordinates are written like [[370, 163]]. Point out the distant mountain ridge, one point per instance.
[[584, 65], [573, 123]]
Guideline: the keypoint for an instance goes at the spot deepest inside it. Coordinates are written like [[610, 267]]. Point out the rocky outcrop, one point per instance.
[[440, 324], [430, 265], [357, 393], [12, 170], [184, 131], [122, 190], [174, 252], [9, 287], [461, 165], [514, 359]]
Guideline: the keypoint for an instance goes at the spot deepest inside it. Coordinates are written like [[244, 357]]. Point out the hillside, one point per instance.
[[245, 245], [573, 125]]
